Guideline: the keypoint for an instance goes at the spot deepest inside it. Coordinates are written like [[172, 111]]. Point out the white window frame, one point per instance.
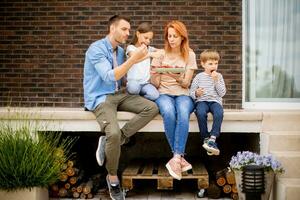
[[258, 105]]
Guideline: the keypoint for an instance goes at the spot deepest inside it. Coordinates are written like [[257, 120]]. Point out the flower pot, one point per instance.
[[269, 180], [35, 193]]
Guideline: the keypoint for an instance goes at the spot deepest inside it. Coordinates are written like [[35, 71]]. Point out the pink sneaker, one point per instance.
[[185, 166], [174, 168]]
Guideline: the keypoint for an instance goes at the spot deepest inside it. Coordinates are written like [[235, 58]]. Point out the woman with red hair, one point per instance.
[[175, 104]]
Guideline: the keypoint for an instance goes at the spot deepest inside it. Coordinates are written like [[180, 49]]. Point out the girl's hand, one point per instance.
[[156, 54], [199, 92]]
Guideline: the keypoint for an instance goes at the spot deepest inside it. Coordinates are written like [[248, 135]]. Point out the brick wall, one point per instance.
[[43, 43]]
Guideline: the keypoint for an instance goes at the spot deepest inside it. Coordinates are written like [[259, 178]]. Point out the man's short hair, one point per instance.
[[115, 19]]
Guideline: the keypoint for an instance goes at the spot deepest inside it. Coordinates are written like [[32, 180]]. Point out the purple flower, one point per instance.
[[247, 158]]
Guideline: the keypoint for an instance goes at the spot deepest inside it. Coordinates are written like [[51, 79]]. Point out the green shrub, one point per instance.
[[29, 158]]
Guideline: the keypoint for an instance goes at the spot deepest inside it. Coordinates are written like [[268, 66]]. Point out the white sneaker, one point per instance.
[[100, 153]]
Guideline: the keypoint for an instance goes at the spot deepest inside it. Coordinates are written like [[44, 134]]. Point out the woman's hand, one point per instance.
[[154, 77], [177, 76], [180, 78]]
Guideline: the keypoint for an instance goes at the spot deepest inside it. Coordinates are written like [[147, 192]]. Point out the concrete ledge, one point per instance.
[[50, 113], [76, 119]]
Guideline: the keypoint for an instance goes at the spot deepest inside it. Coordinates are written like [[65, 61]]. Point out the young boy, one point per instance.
[[207, 90]]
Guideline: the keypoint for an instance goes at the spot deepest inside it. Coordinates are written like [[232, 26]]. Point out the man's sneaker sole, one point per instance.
[[100, 155], [110, 192], [172, 173], [211, 150]]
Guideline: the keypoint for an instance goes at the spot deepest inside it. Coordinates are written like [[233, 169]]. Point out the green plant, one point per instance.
[[29, 158]]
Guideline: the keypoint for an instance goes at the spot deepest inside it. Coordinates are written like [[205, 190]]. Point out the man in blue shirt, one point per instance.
[[104, 68]]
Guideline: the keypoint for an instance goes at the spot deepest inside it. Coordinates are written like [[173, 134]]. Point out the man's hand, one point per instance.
[[135, 57], [199, 92], [139, 53]]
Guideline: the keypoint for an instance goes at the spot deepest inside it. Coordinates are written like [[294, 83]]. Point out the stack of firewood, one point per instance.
[[224, 185], [71, 183], [226, 180]]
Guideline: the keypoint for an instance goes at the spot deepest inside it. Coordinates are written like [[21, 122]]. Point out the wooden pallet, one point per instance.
[[156, 170]]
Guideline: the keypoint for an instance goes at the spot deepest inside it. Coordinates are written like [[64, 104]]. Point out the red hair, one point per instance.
[[180, 28]]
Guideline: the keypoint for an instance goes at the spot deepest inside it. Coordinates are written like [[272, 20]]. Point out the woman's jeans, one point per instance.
[[146, 90], [202, 108], [176, 111]]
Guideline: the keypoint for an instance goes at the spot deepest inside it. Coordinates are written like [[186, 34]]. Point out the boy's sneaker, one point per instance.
[[185, 165], [211, 148], [100, 153], [115, 192], [174, 168], [205, 141]]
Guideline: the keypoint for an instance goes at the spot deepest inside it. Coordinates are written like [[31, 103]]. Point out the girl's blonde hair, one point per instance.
[[209, 55], [180, 28], [144, 27]]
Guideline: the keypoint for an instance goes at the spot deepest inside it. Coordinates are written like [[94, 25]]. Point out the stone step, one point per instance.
[[287, 189], [284, 140], [290, 160], [281, 121]]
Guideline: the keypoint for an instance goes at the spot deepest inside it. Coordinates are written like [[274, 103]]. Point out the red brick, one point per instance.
[[43, 43]]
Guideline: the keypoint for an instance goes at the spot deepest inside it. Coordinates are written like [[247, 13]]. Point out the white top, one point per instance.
[[139, 72], [213, 91]]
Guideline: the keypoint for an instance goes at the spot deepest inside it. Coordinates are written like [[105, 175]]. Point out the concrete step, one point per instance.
[[284, 140], [281, 121], [287, 189], [290, 160]]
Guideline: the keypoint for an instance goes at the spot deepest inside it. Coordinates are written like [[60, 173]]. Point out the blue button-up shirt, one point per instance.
[[99, 78]]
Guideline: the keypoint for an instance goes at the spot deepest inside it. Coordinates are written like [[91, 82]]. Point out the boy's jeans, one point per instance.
[[106, 115], [176, 111], [202, 108], [146, 90]]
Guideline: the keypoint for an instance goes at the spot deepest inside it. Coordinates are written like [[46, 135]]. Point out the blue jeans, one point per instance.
[[176, 111], [147, 90], [202, 108]]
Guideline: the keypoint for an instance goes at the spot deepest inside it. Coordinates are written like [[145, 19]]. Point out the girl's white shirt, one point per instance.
[[139, 72]]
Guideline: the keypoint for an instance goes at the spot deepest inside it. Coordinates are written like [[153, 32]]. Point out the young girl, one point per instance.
[[138, 77]]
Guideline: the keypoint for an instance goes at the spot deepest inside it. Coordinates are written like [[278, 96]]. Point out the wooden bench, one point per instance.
[[78, 120]]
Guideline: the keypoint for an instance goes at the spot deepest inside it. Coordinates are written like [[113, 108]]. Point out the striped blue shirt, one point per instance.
[[213, 91]]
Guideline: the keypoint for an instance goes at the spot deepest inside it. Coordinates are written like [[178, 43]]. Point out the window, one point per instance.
[[271, 53]]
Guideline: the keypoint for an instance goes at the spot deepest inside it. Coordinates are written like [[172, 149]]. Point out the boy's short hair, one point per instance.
[[209, 55], [116, 18]]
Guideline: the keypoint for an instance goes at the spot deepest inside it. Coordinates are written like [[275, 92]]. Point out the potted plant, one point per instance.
[[246, 158], [29, 160]]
